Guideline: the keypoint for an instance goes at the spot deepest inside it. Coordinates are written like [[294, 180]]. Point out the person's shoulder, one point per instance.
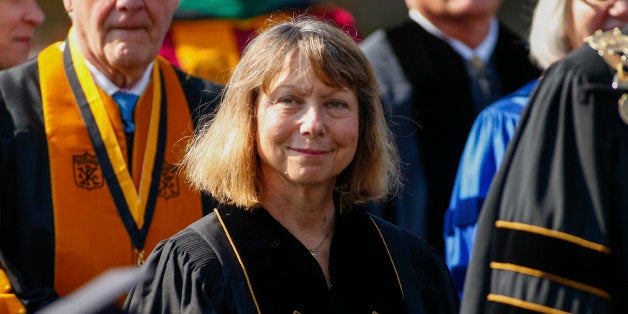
[[423, 251], [378, 50], [25, 71], [513, 47], [202, 95], [418, 246], [431, 271], [19, 92], [424, 256], [188, 246], [506, 33], [579, 58], [194, 82], [187, 260], [406, 25], [426, 263], [373, 41], [187, 239], [584, 66], [586, 60], [381, 36], [505, 107], [511, 104]]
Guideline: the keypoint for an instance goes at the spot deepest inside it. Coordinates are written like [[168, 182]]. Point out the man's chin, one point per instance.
[[131, 57]]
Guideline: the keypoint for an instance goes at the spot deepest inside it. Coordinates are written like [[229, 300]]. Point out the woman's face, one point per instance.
[[18, 19], [307, 132], [591, 15]]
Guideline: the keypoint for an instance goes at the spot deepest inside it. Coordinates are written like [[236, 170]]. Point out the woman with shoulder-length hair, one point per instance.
[[298, 143], [223, 159]]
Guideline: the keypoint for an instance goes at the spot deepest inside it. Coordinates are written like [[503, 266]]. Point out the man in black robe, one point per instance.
[[437, 70], [552, 232], [89, 133]]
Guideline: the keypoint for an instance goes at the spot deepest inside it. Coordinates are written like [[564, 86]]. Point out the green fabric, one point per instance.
[[236, 8]]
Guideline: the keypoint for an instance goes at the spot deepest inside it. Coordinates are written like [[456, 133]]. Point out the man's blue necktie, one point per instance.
[[126, 102]]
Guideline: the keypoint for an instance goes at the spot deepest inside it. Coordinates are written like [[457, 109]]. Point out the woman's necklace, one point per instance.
[[314, 251]]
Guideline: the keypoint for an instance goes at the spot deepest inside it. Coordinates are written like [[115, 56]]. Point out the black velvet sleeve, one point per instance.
[[26, 223], [187, 279], [565, 170], [438, 292]]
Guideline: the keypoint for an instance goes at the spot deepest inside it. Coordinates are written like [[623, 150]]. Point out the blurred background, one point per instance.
[[369, 15]]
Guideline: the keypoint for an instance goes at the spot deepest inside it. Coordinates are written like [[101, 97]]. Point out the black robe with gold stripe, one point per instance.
[[552, 233], [28, 232], [270, 271]]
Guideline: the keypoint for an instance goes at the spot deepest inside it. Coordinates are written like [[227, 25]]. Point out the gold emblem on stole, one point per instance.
[[87, 172], [168, 181]]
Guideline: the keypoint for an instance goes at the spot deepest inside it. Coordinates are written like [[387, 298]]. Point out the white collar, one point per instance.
[[110, 88], [484, 50]]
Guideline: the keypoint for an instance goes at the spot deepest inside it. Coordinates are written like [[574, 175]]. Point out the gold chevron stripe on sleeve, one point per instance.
[[552, 277], [523, 304], [553, 234]]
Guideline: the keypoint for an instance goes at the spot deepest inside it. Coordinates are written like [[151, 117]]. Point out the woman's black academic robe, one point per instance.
[[193, 274]]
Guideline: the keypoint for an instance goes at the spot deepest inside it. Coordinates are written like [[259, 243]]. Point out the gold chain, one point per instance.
[[140, 257], [314, 251]]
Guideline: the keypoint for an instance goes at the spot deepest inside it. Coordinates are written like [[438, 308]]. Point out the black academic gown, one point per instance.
[[552, 232], [427, 93], [284, 277]]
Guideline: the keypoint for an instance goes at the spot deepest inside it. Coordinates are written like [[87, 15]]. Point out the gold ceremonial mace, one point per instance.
[[613, 47]]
